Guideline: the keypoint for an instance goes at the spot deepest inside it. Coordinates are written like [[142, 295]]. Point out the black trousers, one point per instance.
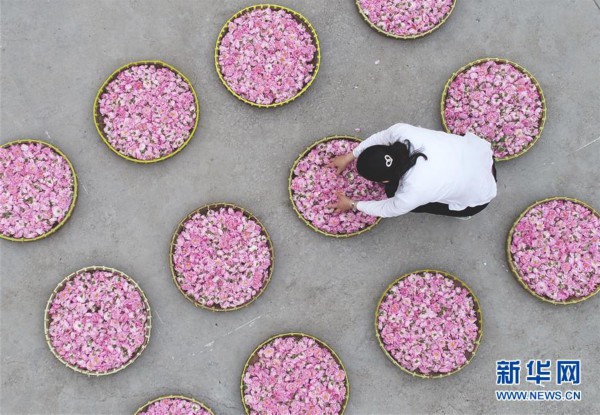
[[444, 210]]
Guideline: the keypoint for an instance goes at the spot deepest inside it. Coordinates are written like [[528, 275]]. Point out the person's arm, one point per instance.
[[386, 137], [387, 208], [400, 204]]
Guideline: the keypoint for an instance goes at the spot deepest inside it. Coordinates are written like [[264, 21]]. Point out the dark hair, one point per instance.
[[388, 163]]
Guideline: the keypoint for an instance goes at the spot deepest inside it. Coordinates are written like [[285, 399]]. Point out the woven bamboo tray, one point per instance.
[[99, 121], [291, 195], [403, 37], [458, 282], [203, 210], [316, 61], [160, 398], [520, 68], [513, 266], [69, 212], [254, 357], [60, 287]]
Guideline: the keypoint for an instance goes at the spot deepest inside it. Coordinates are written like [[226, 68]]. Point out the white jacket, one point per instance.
[[457, 172]]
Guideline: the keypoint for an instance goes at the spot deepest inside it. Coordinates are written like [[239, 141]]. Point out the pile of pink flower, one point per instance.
[[174, 406], [98, 321], [498, 102], [406, 18], [148, 112], [36, 189], [314, 188], [222, 258], [428, 324], [555, 248], [267, 56], [294, 375]]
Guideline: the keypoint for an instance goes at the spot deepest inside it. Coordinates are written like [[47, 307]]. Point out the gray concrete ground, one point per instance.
[[55, 54]]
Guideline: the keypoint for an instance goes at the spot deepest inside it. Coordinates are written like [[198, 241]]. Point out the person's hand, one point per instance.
[[343, 204], [341, 162]]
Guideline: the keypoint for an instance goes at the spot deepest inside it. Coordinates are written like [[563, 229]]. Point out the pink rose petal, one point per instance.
[[498, 102], [294, 375], [406, 18], [555, 248], [36, 189], [267, 56], [148, 112], [314, 188], [222, 258], [427, 322], [98, 321]]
